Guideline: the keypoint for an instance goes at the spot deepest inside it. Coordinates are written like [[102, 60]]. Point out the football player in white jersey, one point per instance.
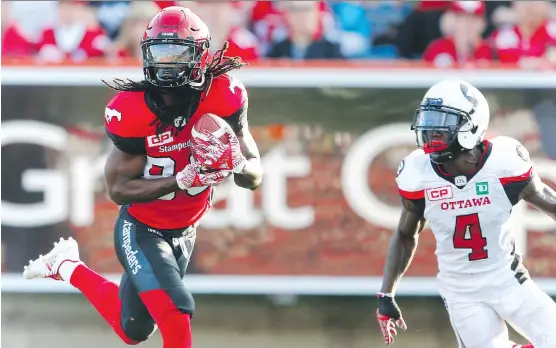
[[465, 187]]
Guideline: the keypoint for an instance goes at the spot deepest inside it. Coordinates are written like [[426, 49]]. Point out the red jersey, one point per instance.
[[511, 45], [442, 52], [14, 43], [129, 124], [243, 44]]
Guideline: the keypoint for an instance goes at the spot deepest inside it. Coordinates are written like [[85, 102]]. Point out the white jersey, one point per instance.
[[469, 217]]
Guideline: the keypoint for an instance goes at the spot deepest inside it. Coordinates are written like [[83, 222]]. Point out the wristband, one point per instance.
[[388, 294]]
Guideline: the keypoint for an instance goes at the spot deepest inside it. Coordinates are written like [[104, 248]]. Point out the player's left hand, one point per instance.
[[192, 176], [389, 316], [214, 153]]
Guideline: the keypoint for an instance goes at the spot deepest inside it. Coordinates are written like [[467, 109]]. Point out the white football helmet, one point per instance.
[[452, 118]]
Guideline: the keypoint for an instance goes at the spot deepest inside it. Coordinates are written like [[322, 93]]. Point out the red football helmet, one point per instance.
[[175, 48]]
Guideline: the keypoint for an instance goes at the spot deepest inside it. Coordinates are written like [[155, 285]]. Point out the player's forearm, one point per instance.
[[142, 190], [251, 175], [541, 196], [400, 254]]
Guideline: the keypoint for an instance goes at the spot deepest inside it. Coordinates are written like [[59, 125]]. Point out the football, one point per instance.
[[210, 123]]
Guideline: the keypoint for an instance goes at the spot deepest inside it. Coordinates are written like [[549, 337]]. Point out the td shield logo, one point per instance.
[[481, 188]]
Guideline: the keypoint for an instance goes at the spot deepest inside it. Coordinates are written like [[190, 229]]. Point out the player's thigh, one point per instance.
[[135, 319], [183, 248], [151, 263], [476, 325], [531, 312]]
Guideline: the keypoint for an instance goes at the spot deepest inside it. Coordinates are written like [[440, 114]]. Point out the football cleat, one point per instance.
[[47, 266]]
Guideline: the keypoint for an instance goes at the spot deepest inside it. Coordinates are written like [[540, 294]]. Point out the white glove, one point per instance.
[[213, 153], [191, 176]]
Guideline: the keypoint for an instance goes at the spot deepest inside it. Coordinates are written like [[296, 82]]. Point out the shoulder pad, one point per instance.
[[410, 173], [510, 159], [226, 96], [125, 116]]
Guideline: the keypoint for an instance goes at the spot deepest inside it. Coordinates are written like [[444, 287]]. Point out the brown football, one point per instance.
[[212, 123]]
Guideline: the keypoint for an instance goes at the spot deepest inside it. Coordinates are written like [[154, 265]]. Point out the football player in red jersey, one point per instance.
[[152, 173]]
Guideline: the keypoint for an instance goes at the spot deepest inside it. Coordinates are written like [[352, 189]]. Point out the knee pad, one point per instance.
[[138, 331], [182, 300]]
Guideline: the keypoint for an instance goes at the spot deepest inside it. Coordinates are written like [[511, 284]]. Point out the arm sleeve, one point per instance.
[[238, 120], [408, 185], [132, 146], [122, 128], [230, 101], [518, 168]]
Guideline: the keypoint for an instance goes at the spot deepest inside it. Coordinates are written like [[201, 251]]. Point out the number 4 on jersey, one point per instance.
[[468, 235]]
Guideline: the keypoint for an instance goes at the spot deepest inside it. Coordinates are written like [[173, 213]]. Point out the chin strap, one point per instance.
[[440, 158]]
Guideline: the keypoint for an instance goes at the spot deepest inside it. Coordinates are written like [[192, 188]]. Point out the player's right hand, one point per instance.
[[389, 316], [214, 153], [191, 176]]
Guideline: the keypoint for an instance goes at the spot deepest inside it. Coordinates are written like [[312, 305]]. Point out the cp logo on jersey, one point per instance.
[[440, 193], [160, 139]]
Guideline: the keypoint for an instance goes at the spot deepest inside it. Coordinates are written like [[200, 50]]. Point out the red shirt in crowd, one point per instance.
[[78, 43], [442, 52], [511, 45], [268, 20], [243, 44], [14, 43], [432, 5], [164, 4]]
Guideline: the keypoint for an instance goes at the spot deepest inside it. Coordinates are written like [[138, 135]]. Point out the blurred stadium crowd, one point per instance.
[[442, 32]]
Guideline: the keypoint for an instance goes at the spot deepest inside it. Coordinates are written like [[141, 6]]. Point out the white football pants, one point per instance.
[[530, 311]]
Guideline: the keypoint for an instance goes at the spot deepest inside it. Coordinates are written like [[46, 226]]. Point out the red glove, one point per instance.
[[191, 176], [215, 154], [389, 316]]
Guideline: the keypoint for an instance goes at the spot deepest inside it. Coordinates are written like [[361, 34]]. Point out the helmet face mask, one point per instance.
[[437, 127], [172, 64], [175, 49]]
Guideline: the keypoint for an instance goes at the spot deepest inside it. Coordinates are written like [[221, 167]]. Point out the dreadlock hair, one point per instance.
[[189, 97]]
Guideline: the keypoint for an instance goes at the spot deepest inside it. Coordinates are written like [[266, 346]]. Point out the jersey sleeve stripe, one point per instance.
[[132, 146], [412, 195], [514, 179]]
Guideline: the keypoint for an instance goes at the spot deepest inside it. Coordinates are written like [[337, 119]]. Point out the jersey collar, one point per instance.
[[486, 151]]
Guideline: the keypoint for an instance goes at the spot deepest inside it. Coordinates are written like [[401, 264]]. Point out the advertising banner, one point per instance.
[[320, 223]]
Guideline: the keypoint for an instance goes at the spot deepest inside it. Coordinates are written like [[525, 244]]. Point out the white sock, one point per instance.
[[66, 269]]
